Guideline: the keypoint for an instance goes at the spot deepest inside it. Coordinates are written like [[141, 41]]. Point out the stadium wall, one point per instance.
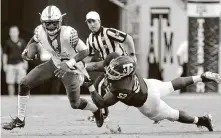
[[162, 28]]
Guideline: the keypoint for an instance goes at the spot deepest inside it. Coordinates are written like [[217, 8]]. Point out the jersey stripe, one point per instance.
[[105, 43], [49, 11], [110, 45], [56, 40], [101, 48]]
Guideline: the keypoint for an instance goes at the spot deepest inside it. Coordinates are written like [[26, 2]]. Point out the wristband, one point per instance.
[[71, 63], [91, 88]]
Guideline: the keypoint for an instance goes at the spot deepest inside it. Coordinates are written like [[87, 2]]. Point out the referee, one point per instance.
[[103, 41]]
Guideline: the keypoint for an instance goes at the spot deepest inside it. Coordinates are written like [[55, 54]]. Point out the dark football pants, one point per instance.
[[100, 86], [44, 72]]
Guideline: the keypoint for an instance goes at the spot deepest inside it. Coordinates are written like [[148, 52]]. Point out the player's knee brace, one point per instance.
[[24, 88], [174, 115]]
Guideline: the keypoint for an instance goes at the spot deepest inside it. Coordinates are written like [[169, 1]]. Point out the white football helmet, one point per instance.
[[51, 19]]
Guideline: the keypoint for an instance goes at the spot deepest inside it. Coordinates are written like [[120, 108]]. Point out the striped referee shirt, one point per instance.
[[105, 41]]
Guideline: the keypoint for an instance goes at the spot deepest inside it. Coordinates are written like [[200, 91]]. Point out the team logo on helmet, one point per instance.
[[120, 67]]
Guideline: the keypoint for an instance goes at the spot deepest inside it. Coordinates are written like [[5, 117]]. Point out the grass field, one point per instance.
[[52, 117]]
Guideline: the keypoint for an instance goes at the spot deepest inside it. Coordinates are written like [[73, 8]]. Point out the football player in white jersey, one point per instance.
[[67, 51]]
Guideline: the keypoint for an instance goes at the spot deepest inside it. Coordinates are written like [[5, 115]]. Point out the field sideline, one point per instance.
[[52, 117]]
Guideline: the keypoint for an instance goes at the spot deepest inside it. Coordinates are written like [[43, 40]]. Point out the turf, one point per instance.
[[52, 117]]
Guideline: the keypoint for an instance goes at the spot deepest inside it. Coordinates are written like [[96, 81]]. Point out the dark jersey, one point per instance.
[[131, 93], [14, 50]]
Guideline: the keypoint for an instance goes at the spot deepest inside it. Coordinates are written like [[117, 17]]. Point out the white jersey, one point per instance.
[[63, 47]]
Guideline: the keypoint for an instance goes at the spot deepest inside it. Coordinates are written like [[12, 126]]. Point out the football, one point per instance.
[[32, 50]]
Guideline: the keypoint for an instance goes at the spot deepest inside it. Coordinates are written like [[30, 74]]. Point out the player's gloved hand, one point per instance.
[[62, 70], [87, 82], [24, 55]]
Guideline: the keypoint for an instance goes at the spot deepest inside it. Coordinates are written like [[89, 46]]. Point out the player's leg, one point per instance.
[[181, 82], [38, 75], [167, 112], [10, 79], [21, 73], [72, 83], [156, 109]]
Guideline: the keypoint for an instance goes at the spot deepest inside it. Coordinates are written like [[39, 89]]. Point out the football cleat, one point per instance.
[[210, 76], [205, 121], [99, 119], [156, 122], [14, 123]]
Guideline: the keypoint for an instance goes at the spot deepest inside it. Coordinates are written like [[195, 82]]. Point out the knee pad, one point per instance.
[[174, 115], [80, 104], [75, 105], [24, 88], [83, 103]]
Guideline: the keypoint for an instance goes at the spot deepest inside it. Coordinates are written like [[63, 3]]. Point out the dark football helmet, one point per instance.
[[120, 67]]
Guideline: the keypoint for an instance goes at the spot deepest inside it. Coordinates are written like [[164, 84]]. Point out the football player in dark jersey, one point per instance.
[[127, 86]]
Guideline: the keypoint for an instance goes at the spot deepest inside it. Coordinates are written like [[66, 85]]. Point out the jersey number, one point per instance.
[[122, 96]]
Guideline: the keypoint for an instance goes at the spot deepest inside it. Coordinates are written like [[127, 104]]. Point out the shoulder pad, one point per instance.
[[71, 35], [37, 33]]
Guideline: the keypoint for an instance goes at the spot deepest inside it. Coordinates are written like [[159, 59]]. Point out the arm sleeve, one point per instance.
[[80, 46], [36, 36], [74, 39], [102, 102], [116, 35]]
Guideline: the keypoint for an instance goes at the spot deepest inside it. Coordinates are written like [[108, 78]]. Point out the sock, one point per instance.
[[91, 106], [184, 117], [196, 119], [182, 82], [197, 79], [22, 103]]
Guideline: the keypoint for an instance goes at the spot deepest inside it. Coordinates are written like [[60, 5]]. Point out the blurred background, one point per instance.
[[173, 38]]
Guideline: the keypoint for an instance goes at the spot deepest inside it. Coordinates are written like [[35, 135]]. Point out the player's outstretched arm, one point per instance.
[[95, 66], [83, 52], [102, 102]]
